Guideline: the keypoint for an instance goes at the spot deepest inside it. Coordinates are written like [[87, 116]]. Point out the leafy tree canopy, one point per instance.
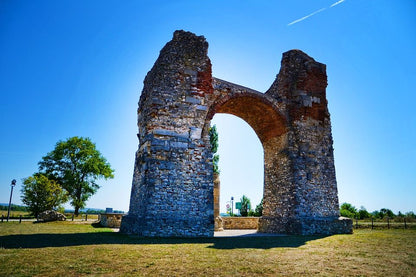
[[348, 210], [213, 139], [41, 194], [259, 209], [386, 213], [363, 213], [245, 205], [76, 165]]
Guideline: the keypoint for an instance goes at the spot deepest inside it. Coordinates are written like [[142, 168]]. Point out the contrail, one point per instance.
[[315, 12], [303, 18], [337, 3]]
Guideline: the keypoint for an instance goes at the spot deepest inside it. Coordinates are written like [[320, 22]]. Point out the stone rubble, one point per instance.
[[51, 215]]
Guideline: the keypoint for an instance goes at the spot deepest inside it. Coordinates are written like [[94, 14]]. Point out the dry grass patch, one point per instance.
[[58, 249]]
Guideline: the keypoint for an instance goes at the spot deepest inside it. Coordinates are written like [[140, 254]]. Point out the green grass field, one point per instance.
[[15, 214], [78, 249]]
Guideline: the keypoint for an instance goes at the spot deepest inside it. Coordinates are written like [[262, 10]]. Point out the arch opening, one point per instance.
[[241, 161], [261, 115]]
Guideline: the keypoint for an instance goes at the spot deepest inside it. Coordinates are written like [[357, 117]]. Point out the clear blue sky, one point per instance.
[[76, 68]]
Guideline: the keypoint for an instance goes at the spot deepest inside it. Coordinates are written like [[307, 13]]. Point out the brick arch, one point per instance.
[[256, 109]]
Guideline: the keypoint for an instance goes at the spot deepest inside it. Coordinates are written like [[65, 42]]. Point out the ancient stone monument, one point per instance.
[[173, 183]]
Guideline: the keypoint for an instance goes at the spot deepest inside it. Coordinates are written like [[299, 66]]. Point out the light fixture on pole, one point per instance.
[[10, 201], [232, 205]]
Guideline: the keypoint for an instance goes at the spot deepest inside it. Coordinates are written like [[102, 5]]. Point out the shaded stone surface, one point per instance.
[[111, 220], [173, 190]]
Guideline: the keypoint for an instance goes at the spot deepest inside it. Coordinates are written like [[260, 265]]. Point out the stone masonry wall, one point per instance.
[[240, 222], [173, 184]]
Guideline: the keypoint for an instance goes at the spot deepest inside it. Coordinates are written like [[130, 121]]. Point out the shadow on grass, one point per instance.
[[102, 238]]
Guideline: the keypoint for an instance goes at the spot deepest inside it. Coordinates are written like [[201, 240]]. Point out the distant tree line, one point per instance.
[[21, 208], [348, 210], [14, 208], [94, 211]]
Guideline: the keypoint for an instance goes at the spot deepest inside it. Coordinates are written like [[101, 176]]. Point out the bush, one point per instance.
[[363, 213], [245, 205], [348, 210], [259, 209]]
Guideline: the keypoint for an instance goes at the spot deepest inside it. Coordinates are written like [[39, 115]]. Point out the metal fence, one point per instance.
[[386, 223], [70, 217]]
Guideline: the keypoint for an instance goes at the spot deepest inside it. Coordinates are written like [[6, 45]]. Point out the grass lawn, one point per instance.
[[15, 214], [77, 249]]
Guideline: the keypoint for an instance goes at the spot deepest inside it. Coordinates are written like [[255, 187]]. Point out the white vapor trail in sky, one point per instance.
[[315, 12], [337, 3], [303, 18]]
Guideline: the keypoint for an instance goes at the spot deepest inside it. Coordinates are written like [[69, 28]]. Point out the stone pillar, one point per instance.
[[312, 198], [216, 195], [172, 190], [218, 226]]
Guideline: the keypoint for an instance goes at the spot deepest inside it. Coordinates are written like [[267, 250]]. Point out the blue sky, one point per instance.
[[76, 68]]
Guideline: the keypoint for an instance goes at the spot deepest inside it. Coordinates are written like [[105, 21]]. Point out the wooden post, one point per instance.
[[356, 222], [86, 217], [372, 223], [388, 222], [2, 218], [20, 219], [405, 226], [72, 217]]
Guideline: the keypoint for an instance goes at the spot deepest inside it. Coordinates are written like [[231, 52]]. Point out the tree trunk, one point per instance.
[[78, 199]]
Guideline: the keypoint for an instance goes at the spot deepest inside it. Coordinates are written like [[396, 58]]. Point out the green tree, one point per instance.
[[76, 165], [348, 210], [245, 205], [41, 194], [386, 213], [411, 215], [259, 209], [363, 213], [213, 139], [376, 214]]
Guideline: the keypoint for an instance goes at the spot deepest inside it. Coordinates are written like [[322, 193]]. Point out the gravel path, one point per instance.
[[242, 233]]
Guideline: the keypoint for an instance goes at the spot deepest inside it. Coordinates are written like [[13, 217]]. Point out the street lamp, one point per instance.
[[10, 201], [232, 206]]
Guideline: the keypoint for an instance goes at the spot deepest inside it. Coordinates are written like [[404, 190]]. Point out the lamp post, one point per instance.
[[10, 201], [232, 205]]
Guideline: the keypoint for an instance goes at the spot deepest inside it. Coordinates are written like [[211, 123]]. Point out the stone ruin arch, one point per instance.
[[173, 190]]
